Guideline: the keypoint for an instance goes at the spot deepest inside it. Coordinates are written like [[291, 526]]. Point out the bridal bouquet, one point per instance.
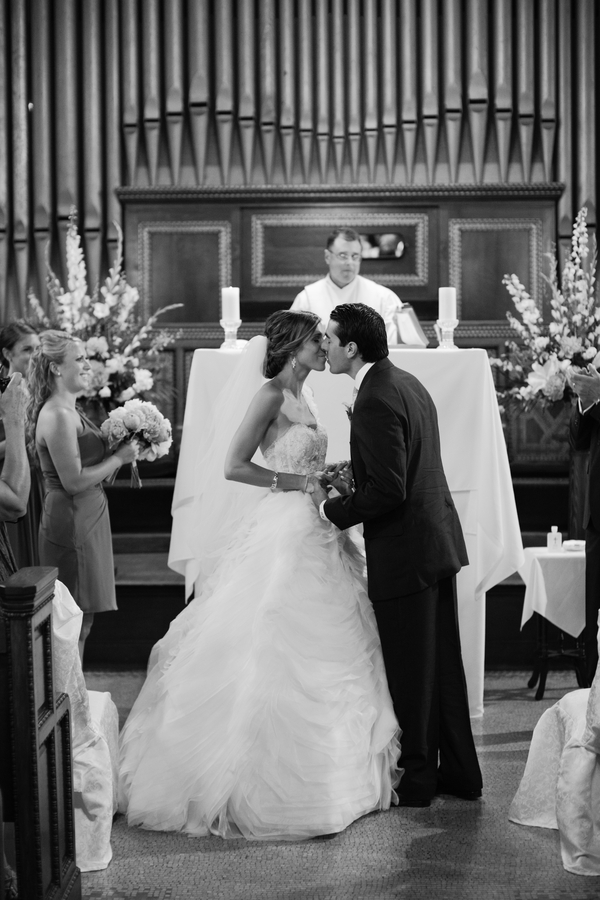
[[124, 353], [535, 365], [142, 422]]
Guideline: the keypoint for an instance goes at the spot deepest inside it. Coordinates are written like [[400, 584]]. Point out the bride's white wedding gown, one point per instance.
[[266, 712]]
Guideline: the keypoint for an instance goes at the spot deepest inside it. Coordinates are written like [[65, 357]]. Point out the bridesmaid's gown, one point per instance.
[[75, 530], [23, 534]]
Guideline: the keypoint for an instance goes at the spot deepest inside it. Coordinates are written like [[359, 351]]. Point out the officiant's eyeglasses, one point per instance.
[[355, 257]]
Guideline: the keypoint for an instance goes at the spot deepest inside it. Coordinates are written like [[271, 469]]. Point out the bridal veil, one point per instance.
[[206, 510]]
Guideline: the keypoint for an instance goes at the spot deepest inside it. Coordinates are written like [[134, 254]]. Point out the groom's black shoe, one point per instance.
[[417, 802], [454, 792]]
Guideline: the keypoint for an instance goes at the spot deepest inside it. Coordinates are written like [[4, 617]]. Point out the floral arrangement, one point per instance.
[[535, 366], [125, 355], [142, 422]]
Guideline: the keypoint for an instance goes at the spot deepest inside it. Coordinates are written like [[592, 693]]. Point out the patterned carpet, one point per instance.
[[452, 851]]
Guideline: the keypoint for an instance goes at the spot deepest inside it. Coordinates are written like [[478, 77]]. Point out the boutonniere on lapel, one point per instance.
[[349, 410]]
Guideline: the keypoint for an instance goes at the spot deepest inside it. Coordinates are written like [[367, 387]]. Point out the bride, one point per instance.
[[265, 713]]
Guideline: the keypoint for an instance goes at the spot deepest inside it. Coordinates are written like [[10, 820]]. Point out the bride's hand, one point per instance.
[[318, 495]]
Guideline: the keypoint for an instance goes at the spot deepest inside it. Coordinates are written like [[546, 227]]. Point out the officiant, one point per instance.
[[343, 284]]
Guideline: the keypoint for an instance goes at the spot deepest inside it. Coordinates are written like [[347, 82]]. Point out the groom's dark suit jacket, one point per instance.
[[413, 536]]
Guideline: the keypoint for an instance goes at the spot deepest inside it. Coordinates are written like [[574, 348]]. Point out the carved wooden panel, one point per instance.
[[287, 248], [539, 437], [482, 251], [183, 244], [184, 262], [166, 394], [284, 250]]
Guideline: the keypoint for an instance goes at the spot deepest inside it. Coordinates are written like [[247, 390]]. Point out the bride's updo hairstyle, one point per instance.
[[40, 380], [286, 331]]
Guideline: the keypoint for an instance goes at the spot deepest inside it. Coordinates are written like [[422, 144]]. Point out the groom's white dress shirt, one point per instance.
[[360, 375], [358, 380], [322, 296]]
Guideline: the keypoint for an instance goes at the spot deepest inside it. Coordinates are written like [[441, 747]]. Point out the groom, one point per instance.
[[415, 547]]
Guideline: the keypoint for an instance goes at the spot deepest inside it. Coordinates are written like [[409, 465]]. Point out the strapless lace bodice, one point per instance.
[[301, 450]]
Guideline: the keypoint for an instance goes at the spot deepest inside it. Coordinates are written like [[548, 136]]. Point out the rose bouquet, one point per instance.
[[125, 354], [535, 366], [142, 422]]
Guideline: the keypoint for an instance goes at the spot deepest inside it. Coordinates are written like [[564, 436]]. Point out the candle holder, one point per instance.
[[230, 328], [445, 333]]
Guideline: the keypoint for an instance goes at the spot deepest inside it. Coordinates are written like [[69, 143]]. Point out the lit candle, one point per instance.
[[230, 304], [447, 304]]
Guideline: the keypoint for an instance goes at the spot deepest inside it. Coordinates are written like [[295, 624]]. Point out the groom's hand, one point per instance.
[[340, 478]]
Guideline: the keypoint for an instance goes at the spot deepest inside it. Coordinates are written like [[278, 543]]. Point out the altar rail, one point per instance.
[[35, 742]]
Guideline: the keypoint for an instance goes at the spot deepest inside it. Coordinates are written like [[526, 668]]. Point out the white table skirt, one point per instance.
[[555, 587], [473, 452]]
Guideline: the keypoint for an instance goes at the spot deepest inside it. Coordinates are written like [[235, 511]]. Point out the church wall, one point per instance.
[[225, 136]]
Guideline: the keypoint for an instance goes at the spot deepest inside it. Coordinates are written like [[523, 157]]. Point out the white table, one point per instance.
[[555, 587], [474, 456]]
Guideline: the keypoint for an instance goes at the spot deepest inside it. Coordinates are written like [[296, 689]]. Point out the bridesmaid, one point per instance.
[[74, 457], [18, 340]]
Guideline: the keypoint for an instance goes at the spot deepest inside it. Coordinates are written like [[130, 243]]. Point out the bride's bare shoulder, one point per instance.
[[268, 399], [271, 392]]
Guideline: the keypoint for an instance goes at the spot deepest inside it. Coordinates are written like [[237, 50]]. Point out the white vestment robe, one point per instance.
[[322, 296]]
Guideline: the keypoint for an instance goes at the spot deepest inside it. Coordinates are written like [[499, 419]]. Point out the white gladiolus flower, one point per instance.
[[143, 380], [549, 379], [101, 310], [97, 346], [119, 344], [115, 365]]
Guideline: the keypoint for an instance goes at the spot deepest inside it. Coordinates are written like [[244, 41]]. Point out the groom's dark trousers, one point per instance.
[[414, 546], [421, 649]]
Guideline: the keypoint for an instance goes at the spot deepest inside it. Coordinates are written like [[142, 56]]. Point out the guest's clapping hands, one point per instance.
[[586, 384], [13, 400]]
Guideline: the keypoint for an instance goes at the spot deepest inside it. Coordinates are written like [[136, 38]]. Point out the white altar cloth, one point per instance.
[[473, 452], [555, 587]]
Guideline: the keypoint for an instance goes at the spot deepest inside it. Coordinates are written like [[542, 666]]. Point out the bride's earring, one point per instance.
[[294, 363]]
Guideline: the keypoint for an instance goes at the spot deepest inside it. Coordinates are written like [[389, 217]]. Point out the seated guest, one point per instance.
[[18, 340], [560, 787], [95, 733], [343, 284]]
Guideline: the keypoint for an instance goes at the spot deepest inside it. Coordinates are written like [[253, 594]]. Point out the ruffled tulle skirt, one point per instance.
[[266, 712]]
